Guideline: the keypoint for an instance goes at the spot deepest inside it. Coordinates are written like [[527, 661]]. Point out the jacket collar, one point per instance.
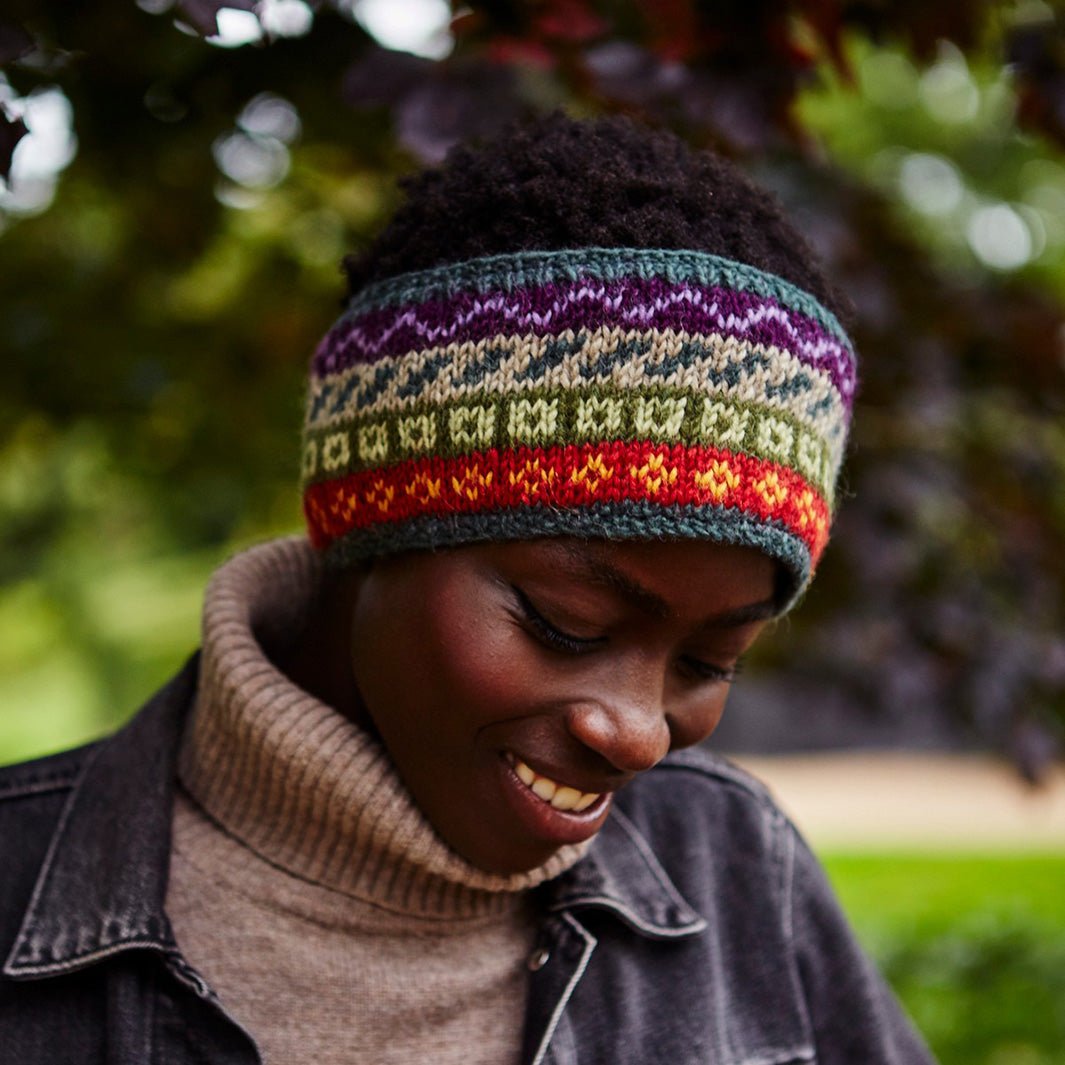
[[621, 875], [102, 886]]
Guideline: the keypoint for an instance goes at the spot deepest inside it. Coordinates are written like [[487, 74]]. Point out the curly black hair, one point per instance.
[[558, 182]]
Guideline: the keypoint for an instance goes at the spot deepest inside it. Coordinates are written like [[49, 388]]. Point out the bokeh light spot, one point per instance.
[[930, 184], [418, 26], [999, 237], [285, 18], [43, 153], [948, 90], [267, 115], [254, 162], [236, 28]]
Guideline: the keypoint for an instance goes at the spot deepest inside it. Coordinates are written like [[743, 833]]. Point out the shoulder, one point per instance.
[[32, 798], [694, 790], [702, 767], [717, 833], [52, 775]]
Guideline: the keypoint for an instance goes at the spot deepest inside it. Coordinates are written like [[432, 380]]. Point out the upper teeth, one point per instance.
[[560, 796]]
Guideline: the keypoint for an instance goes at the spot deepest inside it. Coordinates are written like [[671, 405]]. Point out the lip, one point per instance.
[[545, 822]]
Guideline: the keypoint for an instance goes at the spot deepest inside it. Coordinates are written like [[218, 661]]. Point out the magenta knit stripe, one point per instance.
[[554, 308]]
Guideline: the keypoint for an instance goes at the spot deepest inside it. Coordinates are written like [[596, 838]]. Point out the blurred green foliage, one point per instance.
[[158, 313], [974, 946]]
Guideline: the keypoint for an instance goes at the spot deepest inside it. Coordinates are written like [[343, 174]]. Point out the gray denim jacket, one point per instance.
[[698, 928]]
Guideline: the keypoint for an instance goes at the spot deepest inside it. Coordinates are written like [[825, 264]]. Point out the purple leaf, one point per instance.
[[738, 112], [630, 74], [440, 112], [382, 76], [15, 42]]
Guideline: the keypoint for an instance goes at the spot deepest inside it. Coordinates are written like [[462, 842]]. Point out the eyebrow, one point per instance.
[[605, 573]]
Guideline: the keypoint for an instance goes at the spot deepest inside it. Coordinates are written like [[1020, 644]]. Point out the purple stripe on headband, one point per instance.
[[632, 303]]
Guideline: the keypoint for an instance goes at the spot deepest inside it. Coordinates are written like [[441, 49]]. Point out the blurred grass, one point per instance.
[[974, 946], [100, 592], [884, 891], [87, 640]]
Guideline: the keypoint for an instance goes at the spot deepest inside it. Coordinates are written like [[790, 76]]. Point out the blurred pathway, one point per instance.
[[885, 801]]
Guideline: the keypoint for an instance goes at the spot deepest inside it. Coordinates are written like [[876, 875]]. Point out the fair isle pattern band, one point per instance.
[[555, 419], [613, 392]]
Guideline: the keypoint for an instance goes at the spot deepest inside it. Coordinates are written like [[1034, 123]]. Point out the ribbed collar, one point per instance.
[[299, 784]]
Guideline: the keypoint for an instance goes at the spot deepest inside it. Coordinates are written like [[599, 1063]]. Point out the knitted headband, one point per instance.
[[614, 393]]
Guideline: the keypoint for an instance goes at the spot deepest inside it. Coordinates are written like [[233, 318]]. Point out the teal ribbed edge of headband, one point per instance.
[[522, 269], [625, 519]]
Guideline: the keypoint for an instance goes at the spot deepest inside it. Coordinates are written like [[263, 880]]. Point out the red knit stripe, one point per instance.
[[569, 476]]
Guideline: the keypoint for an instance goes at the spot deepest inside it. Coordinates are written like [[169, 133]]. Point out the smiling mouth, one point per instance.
[[558, 796]]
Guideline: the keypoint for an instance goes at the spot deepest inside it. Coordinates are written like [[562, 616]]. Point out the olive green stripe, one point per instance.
[[556, 417]]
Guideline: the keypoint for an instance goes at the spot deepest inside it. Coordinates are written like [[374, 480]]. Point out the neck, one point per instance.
[[318, 660]]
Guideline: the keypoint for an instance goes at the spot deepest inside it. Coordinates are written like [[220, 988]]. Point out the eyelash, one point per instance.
[[558, 640], [553, 637], [707, 671]]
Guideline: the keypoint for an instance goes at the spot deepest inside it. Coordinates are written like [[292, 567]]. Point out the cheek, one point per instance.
[[437, 662], [480, 663]]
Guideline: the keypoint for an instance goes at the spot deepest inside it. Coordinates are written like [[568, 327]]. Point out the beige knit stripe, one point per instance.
[[379, 871], [518, 353], [430, 895]]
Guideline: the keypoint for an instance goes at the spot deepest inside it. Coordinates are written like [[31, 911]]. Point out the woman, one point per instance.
[[431, 791]]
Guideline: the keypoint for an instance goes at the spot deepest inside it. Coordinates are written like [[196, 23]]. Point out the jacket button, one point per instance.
[[538, 959]]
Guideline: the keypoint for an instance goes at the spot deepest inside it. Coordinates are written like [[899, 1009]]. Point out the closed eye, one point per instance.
[[550, 634], [702, 670]]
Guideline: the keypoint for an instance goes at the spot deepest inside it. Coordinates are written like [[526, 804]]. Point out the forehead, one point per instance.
[[662, 577]]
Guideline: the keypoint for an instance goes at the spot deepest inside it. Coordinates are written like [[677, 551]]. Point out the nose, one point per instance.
[[632, 734]]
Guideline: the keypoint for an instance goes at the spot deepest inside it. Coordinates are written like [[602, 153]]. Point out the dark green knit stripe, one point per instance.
[[530, 268], [556, 417], [621, 520]]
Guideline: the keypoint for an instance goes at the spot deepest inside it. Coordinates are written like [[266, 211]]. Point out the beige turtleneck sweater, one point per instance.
[[306, 886]]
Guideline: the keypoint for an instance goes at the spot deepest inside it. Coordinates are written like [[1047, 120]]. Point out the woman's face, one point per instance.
[[517, 686]]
